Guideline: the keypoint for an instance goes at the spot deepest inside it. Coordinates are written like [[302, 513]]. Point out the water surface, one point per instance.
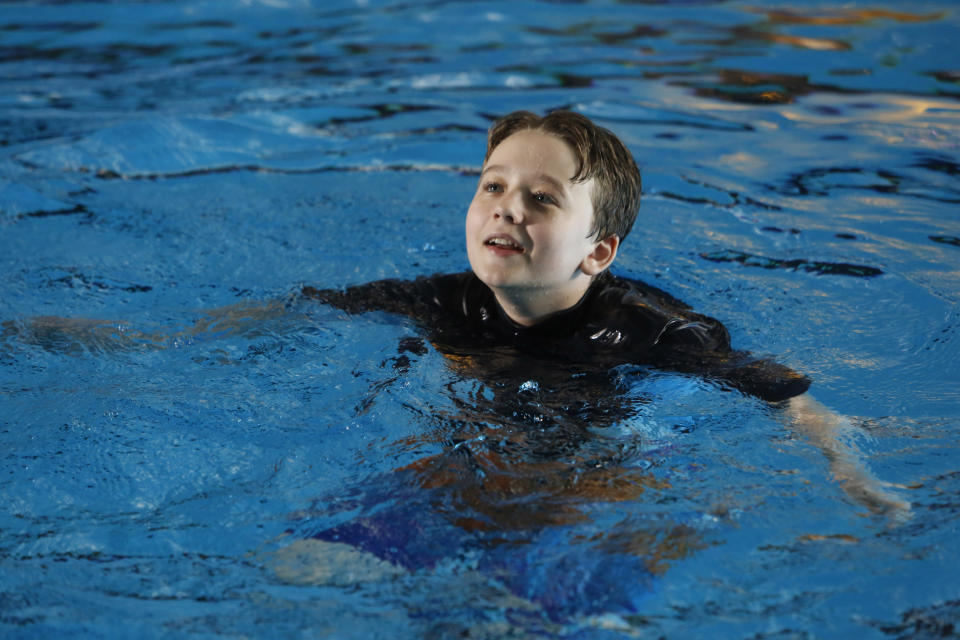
[[160, 160]]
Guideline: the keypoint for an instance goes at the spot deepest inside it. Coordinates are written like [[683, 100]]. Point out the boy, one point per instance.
[[539, 309], [556, 197]]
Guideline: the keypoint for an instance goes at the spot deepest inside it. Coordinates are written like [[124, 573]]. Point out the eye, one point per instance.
[[544, 198], [492, 187]]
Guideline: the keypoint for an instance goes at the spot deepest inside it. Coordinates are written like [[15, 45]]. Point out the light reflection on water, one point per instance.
[[160, 160]]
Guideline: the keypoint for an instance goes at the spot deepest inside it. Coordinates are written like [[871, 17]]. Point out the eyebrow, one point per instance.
[[541, 177]]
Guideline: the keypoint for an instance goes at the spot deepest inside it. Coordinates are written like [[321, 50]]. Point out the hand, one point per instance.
[[825, 428]]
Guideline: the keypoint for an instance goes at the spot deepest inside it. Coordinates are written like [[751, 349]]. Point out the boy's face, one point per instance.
[[528, 226]]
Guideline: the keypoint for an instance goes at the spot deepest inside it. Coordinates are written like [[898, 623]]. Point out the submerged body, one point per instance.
[[519, 462]]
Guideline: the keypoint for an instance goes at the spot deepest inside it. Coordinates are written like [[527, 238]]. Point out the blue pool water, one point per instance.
[[169, 466]]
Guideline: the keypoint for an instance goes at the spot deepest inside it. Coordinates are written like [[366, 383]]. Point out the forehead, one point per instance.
[[536, 151]]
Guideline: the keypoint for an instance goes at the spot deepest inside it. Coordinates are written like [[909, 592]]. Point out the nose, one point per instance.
[[510, 209]]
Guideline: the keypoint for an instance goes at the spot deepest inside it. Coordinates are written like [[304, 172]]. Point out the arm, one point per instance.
[[828, 431], [74, 336], [696, 343], [77, 335]]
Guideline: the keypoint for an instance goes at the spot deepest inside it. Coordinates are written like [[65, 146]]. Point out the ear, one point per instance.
[[601, 257]]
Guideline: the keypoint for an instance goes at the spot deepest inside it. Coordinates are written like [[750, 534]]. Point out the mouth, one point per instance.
[[503, 244]]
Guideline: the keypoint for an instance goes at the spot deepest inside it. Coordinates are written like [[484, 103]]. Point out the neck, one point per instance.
[[528, 307]]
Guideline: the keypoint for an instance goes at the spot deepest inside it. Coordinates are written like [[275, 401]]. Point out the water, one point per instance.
[[162, 160]]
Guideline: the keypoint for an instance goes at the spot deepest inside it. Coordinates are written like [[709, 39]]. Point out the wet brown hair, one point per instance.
[[600, 155]]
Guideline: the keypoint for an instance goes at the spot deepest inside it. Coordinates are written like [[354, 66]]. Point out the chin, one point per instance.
[[490, 279], [494, 278]]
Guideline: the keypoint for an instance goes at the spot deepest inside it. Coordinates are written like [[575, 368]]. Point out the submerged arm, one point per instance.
[[828, 430], [77, 335], [251, 319]]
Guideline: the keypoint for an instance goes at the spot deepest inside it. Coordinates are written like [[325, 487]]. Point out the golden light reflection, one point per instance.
[[745, 163], [817, 44], [512, 493], [841, 17], [827, 108], [658, 548]]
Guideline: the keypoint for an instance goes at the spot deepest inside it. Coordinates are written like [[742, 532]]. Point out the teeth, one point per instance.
[[503, 242]]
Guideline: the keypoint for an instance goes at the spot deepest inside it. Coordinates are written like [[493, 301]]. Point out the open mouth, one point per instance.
[[503, 244]]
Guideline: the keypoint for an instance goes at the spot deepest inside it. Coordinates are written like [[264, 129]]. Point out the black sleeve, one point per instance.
[[698, 344], [686, 341], [761, 377], [394, 296], [420, 299]]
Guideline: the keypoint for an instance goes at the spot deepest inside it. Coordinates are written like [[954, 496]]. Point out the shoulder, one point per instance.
[[630, 292], [652, 318], [659, 329]]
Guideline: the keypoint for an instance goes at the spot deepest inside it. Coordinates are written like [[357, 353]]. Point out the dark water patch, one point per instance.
[[845, 236], [19, 201], [936, 621], [20, 130], [482, 47], [851, 72], [195, 24], [827, 110], [589, 29], [733, 199], [389, 109], [938, 164], [573, 81], [182, 61], [673, 3], [82, 191], [414, 60], [809, 266], [822, 181], [691, 199], [710, 124], [358, 49], [810, 182], [844, 17], [637, 31], [779, 230], [61, 27], [947, 76], [382, 111], [118, 53], [309, 33], [78, 210], [750, 87], [952, 240], [440, 129], [72, 278]]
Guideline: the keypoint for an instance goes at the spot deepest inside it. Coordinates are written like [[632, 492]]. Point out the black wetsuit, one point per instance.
[[618, 321]]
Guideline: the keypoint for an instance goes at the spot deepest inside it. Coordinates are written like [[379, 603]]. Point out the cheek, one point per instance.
[[470, 222], [560, 245], [474, 219], [548, 237]]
